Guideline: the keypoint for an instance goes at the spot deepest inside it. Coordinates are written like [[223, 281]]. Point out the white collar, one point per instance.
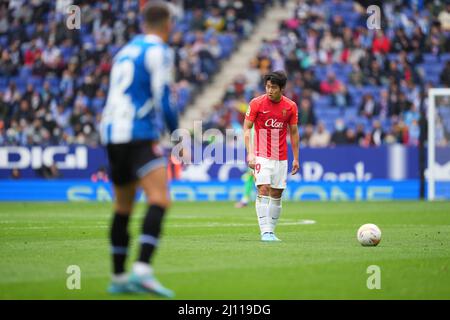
[[153, 38]]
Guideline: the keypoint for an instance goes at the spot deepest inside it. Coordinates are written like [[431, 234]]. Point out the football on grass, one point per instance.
[[369, 235]]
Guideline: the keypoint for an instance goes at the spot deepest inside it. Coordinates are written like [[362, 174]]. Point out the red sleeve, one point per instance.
[[252, 111], [294, 115]]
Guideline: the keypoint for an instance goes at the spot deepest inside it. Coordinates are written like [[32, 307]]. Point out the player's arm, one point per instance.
[[250, 117], [160, 62], [248, 145], [293, 132]]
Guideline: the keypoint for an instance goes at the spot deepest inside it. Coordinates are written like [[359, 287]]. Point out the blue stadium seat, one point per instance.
[[25, 72], [226, 42], [3, 41], [430, 58], [37, 82], [351, 112]]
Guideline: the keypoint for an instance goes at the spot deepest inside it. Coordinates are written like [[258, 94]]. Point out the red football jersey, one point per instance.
[[271, 120]]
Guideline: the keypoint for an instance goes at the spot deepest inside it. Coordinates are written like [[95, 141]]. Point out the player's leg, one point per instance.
[[262, 211], [155, 186], [119, 236], [124, 192], [274, 209], [248, 187], [276, 191], [262, 173]]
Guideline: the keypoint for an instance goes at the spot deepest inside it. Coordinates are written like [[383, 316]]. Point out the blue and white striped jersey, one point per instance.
[[138, 102]]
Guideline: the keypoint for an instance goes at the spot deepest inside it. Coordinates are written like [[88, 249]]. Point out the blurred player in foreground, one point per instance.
[[132, 122], [272, 114], [248, 179]]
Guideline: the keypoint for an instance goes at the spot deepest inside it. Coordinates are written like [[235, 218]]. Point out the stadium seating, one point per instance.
[[92, 58], [428, 72]]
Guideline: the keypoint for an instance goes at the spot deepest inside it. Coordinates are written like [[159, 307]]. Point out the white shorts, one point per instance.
[[272, 172]]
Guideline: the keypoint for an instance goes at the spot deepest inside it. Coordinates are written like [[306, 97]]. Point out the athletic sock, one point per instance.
[[119, 241], [274, 212], [262, 212], [151, 230]]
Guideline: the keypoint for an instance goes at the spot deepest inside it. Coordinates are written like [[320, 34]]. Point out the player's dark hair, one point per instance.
[[156, 13], [276, 77]]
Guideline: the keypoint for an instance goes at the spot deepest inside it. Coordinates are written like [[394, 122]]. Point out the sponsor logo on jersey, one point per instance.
[[274, 124]]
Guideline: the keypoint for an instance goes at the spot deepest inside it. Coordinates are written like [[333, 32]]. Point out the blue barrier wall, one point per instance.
[[79, 190], [345, 163]]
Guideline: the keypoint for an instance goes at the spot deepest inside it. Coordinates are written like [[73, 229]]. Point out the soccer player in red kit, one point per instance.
[[273, 115]]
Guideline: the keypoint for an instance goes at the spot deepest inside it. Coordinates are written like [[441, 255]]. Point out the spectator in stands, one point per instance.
[[445, 75], [4, 109], [339, 137], [376, 76], [414, 133], [350, 137], [306, 113], [51, 56], [7, 66], [444, 18], [436, 40], [441, 140], [377, 136], [321, 137], [401, 42], [305, 139], [252, 75], [384, 104], [335, 88], [24, 112], [381, 43], [215, 20], [399, 133], [369, 107], [360, 135], [356, 76], [198, 20], [337, 26], [310, 81]]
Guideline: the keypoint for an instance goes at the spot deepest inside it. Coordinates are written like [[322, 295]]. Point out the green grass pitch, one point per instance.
[[212, 251]]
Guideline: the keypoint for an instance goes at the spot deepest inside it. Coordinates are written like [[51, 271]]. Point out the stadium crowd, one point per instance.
[[353, 85], [54, 80]]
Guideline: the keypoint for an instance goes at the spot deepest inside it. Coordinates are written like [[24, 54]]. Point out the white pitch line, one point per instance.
[[176, 225]]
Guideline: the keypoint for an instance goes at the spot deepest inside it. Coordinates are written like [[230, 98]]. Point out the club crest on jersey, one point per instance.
[[274, 124], [284, 112]]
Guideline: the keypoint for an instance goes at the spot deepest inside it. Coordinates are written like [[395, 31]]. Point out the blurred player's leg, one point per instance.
[[119, 236], [155, 188], [248, 188]]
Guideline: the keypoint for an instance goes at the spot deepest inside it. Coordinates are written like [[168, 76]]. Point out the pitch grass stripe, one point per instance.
[[168, 270], [197, 225]]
